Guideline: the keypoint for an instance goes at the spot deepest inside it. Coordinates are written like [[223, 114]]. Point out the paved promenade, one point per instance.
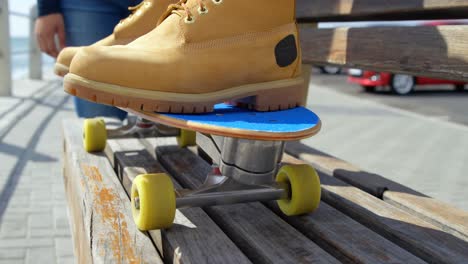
[[34, 222], [429, 155]]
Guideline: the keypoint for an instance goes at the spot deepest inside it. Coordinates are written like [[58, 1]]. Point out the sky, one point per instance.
[[19, 26]]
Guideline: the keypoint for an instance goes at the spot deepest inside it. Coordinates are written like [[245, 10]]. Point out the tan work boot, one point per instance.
[[202, 53], [143, 19]]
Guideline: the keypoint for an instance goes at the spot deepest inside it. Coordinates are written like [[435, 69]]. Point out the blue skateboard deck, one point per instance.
[[232, 121]]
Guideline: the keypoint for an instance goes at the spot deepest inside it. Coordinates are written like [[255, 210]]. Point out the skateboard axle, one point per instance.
[[229, 191], [137, 203]]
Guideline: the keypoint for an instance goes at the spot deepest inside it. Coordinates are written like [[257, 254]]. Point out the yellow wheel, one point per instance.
[[305, 191], [94, 134], [186, 138], [153, 201]]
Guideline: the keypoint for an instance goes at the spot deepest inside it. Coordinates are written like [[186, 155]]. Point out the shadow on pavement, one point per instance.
[[23, 156]]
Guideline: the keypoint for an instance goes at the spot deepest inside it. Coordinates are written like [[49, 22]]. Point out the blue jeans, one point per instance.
[[87, 21]]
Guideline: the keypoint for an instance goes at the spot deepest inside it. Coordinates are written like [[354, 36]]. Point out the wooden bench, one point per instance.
[[363, 217]]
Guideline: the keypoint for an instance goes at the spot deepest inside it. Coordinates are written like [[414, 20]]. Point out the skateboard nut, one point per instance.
[[137, 203], [216, 170]]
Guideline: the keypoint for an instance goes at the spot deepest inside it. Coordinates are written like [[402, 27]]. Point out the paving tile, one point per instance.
[[13, 230], [61, 222], [15, 216], [26, 243], [66, 260], [40, 220], [12, 261], [28, 208], [12, 253], [41, 255], [64, 247], [62, 232], [41, 233]]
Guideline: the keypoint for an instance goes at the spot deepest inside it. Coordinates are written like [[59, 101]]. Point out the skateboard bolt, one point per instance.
[[137, 203], [215, 170]]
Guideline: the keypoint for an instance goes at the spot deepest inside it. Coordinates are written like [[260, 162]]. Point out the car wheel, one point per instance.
[[330, 69], [460, 87], [368, 88], [402, 84]]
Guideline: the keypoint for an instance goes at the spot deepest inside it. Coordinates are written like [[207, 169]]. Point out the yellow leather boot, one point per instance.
[[143, 19], [203, 52]]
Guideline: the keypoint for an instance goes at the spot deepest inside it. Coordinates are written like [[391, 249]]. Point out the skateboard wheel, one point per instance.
[[305, 189], [186, 138], [94, 134], [153, 201]]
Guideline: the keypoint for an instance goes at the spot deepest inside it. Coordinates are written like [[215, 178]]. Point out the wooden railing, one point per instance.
[[378, 10], [438, 51]]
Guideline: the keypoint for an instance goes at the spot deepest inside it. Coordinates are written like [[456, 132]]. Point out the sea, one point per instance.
[[20, 56]]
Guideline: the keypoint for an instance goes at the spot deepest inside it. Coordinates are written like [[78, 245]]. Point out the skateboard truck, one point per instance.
[[96, 131], [135, 126], [244, 171]]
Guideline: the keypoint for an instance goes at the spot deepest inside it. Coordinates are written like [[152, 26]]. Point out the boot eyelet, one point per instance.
[[217, 2], [189, 20], [202, 11]]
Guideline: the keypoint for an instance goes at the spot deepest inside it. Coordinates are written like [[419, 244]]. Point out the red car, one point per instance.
[[399, 83]]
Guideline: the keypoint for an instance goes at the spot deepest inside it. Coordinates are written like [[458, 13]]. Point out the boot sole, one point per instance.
[[268, 96], [60, 69]]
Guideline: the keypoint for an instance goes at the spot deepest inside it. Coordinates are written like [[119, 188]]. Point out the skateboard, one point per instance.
[[246, 149]]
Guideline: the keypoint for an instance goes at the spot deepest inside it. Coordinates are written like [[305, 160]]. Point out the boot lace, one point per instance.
[[183, 10]]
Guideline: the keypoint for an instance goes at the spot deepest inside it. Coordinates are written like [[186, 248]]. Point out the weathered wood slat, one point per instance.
[[440, 52], [443, 215], [413, 234], [350, 241], [194, 238], [362, 10], [263, 236], [371, 183], [102, 225]]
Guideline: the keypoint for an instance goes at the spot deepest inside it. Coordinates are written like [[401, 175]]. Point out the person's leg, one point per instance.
[[84, 27]]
